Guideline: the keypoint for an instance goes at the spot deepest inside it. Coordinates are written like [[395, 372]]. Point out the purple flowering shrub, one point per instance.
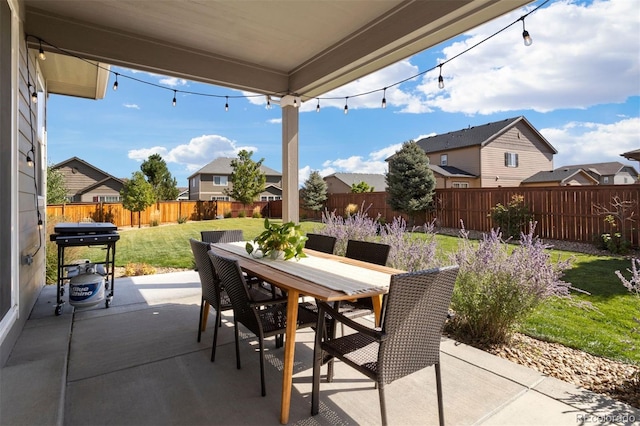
[[633, 285], [498, 284], [409, 251]]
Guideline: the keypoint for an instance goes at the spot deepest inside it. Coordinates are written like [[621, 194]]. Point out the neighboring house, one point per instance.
[[183, 194], [340, 183], [209, 182], [611, 173], [561, 177], [503, 153], [86, 183]]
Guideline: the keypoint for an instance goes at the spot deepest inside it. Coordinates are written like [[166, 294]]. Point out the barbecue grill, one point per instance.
[[85, 234]]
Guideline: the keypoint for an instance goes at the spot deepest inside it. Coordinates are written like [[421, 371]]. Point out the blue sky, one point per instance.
[[578, 84]]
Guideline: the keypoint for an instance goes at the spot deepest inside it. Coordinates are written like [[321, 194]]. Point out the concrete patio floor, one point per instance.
[[138, 363]]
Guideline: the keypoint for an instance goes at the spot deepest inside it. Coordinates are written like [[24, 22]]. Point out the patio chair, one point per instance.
[[212, 294], [322, 243], [264, 319], [407, 341]]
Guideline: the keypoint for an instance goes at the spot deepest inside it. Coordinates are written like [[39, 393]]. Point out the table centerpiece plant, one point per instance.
[[278, 241]]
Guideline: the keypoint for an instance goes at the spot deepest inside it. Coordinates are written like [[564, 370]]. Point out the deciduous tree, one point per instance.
[[137, 194], [247, 179], [56, 186], [158, 175]]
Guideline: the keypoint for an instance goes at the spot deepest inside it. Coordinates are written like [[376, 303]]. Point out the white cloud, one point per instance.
[[133, 106], [582, 142], [196, 153], [275, 121], [173, 81]]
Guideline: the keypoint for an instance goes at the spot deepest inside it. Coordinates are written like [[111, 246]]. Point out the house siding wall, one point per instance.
[[336, 186], [30, 239], [533, 156], [467, 159], [78, 176], [109, 189]]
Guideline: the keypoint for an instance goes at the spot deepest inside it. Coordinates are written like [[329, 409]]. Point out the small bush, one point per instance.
[[136, 269], [182, 219], [350, 210], [499, 285], [241, 213], [227, 214], [256, 215], [154, 222], [511, 218]]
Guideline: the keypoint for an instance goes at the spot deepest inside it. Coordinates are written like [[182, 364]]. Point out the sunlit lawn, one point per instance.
[[604, 329]]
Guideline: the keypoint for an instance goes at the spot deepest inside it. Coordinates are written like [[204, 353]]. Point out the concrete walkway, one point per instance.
[[138, 363]]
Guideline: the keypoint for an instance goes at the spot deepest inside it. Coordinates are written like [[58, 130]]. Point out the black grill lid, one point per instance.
[[85, 228]]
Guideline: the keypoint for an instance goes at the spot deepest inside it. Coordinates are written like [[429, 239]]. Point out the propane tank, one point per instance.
[[86, 289]]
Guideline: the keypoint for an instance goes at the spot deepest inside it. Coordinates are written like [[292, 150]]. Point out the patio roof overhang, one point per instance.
[[303, 47]]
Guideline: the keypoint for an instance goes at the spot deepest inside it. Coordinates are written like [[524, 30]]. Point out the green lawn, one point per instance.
[[604, 329]]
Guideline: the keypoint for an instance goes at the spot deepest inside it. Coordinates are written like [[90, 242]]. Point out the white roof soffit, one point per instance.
[[305, 47], [67, 75]]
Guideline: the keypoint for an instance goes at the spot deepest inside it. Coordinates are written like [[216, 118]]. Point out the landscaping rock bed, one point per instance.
[[615, 379]]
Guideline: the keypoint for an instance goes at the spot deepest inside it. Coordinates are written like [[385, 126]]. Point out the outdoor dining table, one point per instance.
[[322, 276]]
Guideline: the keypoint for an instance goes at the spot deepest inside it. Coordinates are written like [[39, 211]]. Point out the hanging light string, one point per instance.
[[30, 157], [525, 35]]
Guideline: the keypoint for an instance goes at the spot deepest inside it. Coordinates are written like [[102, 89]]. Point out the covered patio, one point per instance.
[[138, 363]]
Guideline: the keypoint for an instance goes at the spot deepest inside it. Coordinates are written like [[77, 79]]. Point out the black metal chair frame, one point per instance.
[[408, 340], [222, 236], [262, 318]]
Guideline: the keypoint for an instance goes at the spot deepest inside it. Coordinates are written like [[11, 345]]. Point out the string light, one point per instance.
[[346, 106], [41, 54], [384, 98], [174, 98], [34, 94], [29, 159], [40, 222], [525, 35]]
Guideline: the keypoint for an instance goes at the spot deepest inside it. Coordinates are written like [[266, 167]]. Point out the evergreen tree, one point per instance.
[[314, 192], [247, 179], [56, 187], [359, 188], [410, 181], [158, 175], [137, 194]]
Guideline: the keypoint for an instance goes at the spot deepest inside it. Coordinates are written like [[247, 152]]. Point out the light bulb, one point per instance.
[[174, 98], [440, 82], [527, 38], [318, 106], [34, 97], [29, 160], [41, 54], [384, 98], [226, 105], [115, 84], [346, 109], [268, 102]]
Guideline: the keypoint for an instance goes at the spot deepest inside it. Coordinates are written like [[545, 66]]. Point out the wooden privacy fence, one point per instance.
[[562, 213], [157, 213]]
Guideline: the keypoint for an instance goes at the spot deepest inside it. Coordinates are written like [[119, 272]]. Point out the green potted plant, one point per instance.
[[284, 240]]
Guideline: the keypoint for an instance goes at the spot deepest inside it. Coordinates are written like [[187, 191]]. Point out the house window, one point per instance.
[[605, 179], [625, 180], [219, 198], [269, 197], [443, 159], [511, 159], [460, 185], [106, 199], [220, 180]]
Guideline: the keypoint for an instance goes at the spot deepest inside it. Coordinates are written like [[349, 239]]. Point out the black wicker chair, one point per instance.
[[222, 236], [322, 243], [212, 294], [264, 319], [407, 341]]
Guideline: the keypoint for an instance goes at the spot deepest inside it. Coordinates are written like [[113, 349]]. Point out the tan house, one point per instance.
[[610, 173], [561, 177], [340, 183], [86, 183], [210, 182], [499, 154]]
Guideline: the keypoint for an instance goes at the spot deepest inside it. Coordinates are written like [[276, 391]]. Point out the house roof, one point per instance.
[[450, 171], [79, 160], [632, 155], [377, 181], [222, 166], [473, 136], [558, 175], [270, 47], [603, 169]]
